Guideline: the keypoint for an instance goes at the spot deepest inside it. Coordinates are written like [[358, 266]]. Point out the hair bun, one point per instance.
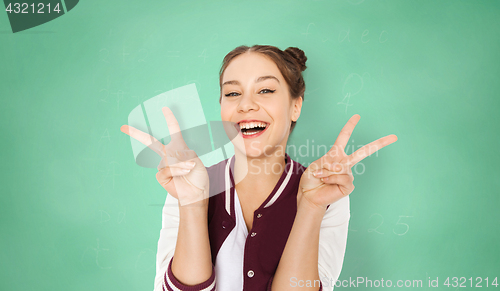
[[299, 56]]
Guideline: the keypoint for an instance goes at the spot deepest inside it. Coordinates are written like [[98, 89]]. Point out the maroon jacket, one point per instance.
[[272, 223]]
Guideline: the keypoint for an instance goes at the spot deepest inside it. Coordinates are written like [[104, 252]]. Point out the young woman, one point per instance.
[[275, 225]]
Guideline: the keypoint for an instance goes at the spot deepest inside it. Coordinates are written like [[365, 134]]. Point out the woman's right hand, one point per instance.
[[180, 171]]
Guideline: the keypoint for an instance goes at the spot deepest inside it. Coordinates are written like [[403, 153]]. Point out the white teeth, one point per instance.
[[248, 125]]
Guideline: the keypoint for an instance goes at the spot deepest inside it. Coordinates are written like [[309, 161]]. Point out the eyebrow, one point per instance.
[[259, 79]]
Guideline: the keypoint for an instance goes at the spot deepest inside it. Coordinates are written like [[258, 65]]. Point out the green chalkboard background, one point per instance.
[[77, 212]]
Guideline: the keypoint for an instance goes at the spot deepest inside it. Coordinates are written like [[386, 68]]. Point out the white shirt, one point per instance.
[[229, 261]]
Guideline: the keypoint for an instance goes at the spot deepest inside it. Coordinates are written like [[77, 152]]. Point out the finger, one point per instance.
[[345, 189], [370, 148], [164, 177], [172, 124], [167, 161], [345, 133], [183, 154], [188, 154], [333, 156], [338, 179], [329, 170], [337, 167], [169, 172], [146, 139], [176, 164]]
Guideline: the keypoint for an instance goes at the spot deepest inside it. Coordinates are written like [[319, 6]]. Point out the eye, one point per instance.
[[231, 94], [267, 91]]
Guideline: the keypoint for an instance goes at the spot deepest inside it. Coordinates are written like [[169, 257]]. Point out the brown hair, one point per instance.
[[291, 62]]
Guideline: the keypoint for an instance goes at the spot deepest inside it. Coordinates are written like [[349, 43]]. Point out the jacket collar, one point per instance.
[[273, 196]]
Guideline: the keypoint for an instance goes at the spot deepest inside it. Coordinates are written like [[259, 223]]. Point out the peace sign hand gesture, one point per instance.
[[180, 171], [330, 178]]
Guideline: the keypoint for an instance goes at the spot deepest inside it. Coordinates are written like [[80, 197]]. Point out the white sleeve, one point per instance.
[[332, 242], [168, 239]]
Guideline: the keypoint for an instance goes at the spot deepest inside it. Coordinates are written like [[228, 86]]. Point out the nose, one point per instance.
[[247, 103]]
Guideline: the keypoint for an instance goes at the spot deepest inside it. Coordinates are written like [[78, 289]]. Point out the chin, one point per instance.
[[250, 150], [255, 155], [259, 150]]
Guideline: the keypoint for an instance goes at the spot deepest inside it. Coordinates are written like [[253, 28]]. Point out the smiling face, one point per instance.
[[256, 96]]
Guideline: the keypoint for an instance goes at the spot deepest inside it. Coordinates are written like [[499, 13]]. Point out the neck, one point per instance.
[[258, 173]]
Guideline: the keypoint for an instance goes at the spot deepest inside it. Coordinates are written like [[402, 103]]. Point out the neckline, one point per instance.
[[275, 193], [241, 217]]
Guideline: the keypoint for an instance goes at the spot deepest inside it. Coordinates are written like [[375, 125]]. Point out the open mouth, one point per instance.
[[252, 129]]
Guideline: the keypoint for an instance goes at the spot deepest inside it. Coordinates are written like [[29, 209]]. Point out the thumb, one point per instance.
[[165, 175]]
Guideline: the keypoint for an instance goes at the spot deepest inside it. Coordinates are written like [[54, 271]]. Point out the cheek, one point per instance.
[[225, 111], [282, 113]]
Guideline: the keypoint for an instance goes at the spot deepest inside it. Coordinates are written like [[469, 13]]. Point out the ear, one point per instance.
[[297, 107]]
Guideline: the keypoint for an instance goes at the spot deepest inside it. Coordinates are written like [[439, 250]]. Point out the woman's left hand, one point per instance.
[[330, 178]]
